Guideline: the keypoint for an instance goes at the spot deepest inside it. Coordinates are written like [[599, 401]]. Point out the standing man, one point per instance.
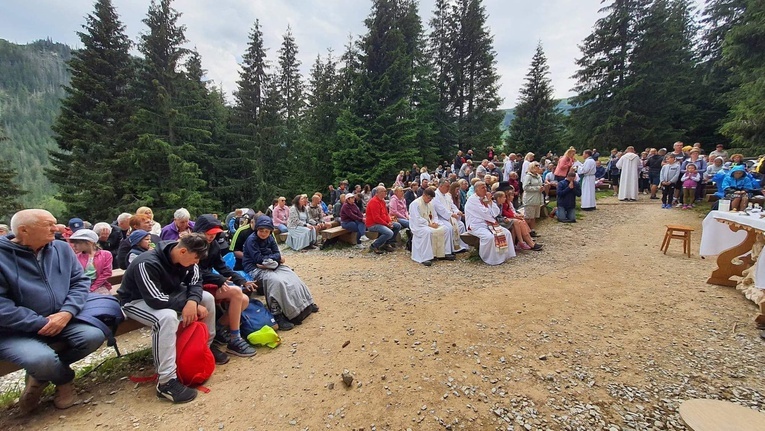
[[655, 162], [42, 289], [162, 289], [379, 220], [629, 164], [568, 190], [458, 161], [587, 176], [496, 242], [719, 151]]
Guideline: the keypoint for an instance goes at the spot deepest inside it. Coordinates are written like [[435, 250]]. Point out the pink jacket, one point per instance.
[[398, 207], [103, 263], [281, 215]]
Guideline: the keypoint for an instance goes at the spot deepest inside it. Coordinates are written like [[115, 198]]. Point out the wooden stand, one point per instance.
[[726, 268]]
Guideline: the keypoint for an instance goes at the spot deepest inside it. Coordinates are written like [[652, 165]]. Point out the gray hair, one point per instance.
[[101, 226], [183, 214], [123, 217], [4, 228], [443, 181], [25, 218]]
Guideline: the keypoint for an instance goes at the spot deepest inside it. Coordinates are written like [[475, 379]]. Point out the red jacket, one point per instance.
[[377, 212]]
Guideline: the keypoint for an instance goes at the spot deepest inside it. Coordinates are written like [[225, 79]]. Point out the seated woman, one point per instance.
[[97, 263], [514, 222], [156, 228], [352, 219], [287, 296], [397, 207], [316, 214], [281, 214], [301, 234], [738, 187]]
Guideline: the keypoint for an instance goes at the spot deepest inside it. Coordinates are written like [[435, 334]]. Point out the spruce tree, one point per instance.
[[322, 111], [745, 123], [247, 181], [537, 124], [600, 106], [441, 46], [163, 173], [10, 192], [662, 86], [92, 130], [291, 89]]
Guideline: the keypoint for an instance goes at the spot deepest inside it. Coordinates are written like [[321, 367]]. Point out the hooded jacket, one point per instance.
[[214, 260], [731, 184], [153, 277], [31, 290], [257, 250]]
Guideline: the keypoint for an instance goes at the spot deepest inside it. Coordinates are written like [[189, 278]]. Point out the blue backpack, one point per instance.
[[103, 312], [254, 317]]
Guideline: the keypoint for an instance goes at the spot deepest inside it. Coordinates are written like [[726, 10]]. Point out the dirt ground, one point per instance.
[[598, 331]]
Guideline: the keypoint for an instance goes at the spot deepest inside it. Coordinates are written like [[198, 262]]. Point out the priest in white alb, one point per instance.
[[630, 165], [449, 216], [587, 180], [496, 242], [429, 238]]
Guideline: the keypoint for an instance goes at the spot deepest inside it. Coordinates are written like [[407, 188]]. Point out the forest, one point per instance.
[[97, 131]]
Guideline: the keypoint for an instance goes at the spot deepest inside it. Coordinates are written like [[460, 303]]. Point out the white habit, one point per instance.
[[587, 175], [445, 207], [630, 165], [478, 218], [427, 242]]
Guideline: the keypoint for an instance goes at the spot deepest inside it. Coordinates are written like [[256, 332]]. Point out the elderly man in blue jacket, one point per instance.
[[42, 289]]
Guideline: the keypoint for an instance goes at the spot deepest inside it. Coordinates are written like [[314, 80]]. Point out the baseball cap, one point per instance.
[[75, 224]]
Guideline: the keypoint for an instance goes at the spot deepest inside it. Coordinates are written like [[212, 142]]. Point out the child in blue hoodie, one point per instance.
[[738, 187]]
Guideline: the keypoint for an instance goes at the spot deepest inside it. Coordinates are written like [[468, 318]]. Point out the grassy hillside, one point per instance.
[[31, 79], [563, 106]]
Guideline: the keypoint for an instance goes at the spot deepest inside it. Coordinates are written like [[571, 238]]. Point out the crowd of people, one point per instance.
[[176, 274]]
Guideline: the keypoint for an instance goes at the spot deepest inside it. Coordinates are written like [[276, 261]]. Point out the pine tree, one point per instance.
[[291, 89], [600, 106], [443, 35], [322, 111], [93, 127], [745, 124], [537, 124]]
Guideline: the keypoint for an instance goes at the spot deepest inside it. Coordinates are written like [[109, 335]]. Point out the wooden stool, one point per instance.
[[684, 234]]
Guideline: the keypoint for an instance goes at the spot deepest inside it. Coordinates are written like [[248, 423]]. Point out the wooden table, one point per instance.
[[714, 415]]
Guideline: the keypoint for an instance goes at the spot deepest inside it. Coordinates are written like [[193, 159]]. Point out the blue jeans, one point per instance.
[[34, 354], [386, 234], [282, 228], [566, 215], [355, 226], [404, 223]]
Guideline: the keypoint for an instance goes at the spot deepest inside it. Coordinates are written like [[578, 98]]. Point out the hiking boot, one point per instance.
[[376, 250], [220, 357], [284, 324], [314, 308], [238, 347], [30, 398], [222, 335], [388, 247], [176, 391], [65, 396]]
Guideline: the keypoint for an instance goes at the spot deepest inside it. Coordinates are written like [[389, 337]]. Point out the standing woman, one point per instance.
[[301, 234], [156, 228], [96, 263], [564, 164], [532, 196]]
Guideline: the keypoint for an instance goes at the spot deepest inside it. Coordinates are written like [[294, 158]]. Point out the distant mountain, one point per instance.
[[563, 105], [31, 80]]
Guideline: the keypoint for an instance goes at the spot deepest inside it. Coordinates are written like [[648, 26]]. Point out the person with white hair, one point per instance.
[[180, 227], [495, 247], [42, 290], [4, 230]]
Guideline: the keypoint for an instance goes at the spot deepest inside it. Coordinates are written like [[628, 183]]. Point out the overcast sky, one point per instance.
[[219, 28]]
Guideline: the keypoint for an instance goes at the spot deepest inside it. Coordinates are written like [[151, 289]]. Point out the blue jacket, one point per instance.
[[567, 197], [257, 250], [730, 183], [31, 291]]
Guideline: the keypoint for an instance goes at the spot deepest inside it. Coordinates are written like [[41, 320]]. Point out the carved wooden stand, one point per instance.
[[726, 268]]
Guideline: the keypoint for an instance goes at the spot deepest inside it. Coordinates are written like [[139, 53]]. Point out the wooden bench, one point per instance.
[[470, 239], [280, 237], [127, 326], [339, 233]]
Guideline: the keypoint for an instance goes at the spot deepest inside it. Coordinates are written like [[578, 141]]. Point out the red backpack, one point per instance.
[[194, 360]]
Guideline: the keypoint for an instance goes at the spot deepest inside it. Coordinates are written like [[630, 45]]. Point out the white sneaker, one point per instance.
[[364, 238], [360, 246]]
